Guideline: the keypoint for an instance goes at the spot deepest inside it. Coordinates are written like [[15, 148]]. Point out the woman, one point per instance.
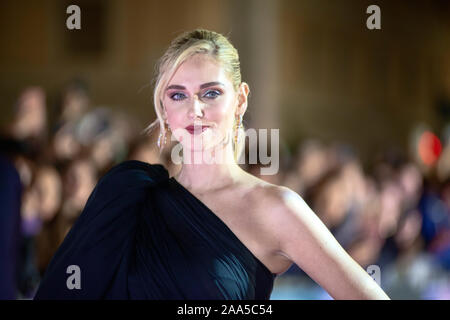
[[212, 231]]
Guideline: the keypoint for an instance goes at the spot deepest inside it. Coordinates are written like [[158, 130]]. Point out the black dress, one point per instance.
[[142, 235]]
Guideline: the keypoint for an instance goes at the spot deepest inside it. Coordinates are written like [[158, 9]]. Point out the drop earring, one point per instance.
[[161, 137], [237, 127]]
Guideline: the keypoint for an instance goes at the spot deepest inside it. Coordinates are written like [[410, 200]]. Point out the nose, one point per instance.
[[197, 108]]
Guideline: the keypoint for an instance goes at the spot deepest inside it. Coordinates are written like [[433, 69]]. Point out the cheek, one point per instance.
[[223, 115], [177, 123], [175, 119]]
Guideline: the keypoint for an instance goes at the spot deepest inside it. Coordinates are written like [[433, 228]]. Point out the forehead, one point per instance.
[[197, 70]]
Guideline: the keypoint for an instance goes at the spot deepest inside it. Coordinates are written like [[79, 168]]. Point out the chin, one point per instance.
[[197, 148]]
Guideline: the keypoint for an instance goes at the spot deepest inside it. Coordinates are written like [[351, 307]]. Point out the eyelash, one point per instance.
[[217, 92]]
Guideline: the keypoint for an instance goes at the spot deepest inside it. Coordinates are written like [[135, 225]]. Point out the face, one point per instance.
[[200, 96], [31, 113], [48, 184]]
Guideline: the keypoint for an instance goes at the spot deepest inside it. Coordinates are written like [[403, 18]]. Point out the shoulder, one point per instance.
[[124, 186], [276, 199], [131, 166], [130, 179], [286, 213], [133, 171]]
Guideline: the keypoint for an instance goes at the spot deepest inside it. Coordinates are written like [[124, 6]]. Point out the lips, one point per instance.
[[197, 129]]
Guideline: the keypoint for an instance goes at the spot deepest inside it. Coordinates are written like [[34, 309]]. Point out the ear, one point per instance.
[[243, 93]]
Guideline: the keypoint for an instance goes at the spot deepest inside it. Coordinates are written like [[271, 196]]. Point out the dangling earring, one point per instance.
[[161, 137], [237, 127]]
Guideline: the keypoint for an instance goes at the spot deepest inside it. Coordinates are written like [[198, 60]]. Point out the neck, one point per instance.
[[207, 170]]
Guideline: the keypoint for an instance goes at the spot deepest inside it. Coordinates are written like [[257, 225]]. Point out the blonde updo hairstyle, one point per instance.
[[183, 47]]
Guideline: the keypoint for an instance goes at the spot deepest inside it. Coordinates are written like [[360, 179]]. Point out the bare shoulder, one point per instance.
[[284, 212], [275, 199], [267, 207], [276, 205]]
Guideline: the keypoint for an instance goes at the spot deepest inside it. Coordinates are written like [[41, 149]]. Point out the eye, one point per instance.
[[212, 94], [177, 96]]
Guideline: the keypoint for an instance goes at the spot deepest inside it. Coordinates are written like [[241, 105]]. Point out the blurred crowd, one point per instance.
[[48, 170], [394, 212]]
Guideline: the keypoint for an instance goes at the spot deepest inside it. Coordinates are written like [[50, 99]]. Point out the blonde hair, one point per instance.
[[198, 41]]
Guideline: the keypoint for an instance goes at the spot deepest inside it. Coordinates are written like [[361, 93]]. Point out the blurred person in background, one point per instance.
[[333, 198], [390, 202], [30, 228], [74, 103], [29, 124], [28, 133], [79, 179], [435, 214], [41, 201], [49, 188], [310, 163], [65, 145], [107, 135], [439, 245], [102, 132], [407, 200], [408, 236], [366, 242], [10, 199], [144, 149]]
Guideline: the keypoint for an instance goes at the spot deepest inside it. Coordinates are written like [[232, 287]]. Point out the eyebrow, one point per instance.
[[205, 85]]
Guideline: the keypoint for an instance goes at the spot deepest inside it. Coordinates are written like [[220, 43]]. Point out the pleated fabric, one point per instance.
[[142, 235]]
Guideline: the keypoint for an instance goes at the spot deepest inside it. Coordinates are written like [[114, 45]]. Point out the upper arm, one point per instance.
[[307, 242]]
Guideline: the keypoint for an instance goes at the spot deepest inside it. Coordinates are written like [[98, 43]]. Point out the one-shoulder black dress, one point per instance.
[[142, 235]]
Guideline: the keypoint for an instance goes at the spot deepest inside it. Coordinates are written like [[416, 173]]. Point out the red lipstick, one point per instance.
[[196, 129]]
